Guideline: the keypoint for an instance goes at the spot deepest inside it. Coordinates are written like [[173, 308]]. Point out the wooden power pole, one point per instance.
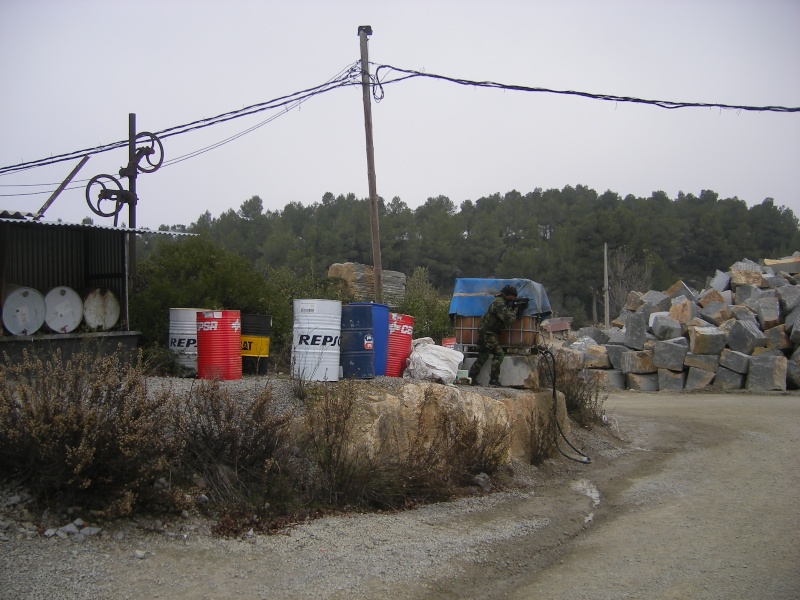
[[364, 31]]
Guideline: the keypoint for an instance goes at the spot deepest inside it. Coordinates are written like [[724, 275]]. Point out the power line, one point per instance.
[[404, 74]]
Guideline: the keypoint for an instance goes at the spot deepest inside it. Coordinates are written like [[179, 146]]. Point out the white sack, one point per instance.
[[429, 362]]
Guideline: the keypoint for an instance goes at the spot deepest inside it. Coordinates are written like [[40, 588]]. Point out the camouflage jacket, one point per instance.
[[498, 316]]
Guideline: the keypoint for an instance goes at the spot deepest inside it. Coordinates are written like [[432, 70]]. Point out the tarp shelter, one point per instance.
[[472, 296]]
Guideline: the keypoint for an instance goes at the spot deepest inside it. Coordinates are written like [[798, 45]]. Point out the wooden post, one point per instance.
[[363, 32]]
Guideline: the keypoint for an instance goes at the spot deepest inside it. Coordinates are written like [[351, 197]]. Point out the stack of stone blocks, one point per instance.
[[741, 332]]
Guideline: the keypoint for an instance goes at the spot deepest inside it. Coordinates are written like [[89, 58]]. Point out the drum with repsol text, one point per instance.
[[317, 326]]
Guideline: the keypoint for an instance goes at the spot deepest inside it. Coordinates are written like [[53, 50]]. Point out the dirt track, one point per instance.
[[697, 500]]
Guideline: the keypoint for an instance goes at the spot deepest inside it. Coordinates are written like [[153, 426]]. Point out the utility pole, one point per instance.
[[605, 281], [364, 31]]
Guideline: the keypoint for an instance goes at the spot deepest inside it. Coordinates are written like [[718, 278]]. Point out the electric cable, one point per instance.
[[669, 104], [543, 350]]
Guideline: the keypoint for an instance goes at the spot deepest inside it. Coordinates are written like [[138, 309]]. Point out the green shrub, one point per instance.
[[429, 309]]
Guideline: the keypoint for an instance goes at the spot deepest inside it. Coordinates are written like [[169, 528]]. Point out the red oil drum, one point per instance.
[[401, 330], [219, 344]]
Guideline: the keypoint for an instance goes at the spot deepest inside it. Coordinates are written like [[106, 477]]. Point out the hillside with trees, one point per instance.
[[555, 237]]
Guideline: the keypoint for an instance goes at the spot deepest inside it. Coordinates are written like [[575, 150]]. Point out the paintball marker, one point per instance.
[[519, 304]]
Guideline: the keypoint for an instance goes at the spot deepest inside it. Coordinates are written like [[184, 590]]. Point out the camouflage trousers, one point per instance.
[[488, 346]]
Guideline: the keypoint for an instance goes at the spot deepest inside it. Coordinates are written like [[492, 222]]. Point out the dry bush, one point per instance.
[[234, 441], [583, 396], [542, 440], [83, 429]]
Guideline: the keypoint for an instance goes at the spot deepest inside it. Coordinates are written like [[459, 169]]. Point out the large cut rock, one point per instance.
[[745, 336], [705, 362], [747, 293], [769, 313], [725, 379], [789, 297], [710, 296], [778, 339], [720, 282], [638, 362], [679, 288], [666, 328], [742, 313], [698, 379], [735, 361], [716, 313], [739, 278], [635, 331], [633, 302], [661, 300], [596, 357], [642, 382], [793, 370], [767, 372], [606, 378], [615, 355], [683, 310], [706, 340], [671, 381], [669, 354]]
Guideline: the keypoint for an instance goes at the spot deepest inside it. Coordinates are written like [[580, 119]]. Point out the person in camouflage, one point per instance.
[[498, 316]]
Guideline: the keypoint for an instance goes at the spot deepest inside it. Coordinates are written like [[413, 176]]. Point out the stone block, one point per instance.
[[606, 378], [793, 370], [698, 379], [769, 313], [679, 288], [669, 354], [742, 313], [727, 297], [615, 353], [647, 309], [720, 282], [596, 357], [778, 339], [740, 278], [792, 319], [635, 329], [725, 379], [661, 300], [744, 293], [569, 358], [640, 361], [671, 381], [597, 334], [706, 362], [727, 326], [761, 351], [716, 313], [709, 296], [621, 319], [615, 337], [706, 340], [666, 328], [789, 296], [735, 361], [642, 382], [683, 310], [767, 372], [795, 335], [633, 301], [745, 336]]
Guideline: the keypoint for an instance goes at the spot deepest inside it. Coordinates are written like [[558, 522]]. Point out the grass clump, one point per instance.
[[583, 396]]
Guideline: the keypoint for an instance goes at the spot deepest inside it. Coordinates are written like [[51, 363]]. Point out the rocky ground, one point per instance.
[[624, 526]]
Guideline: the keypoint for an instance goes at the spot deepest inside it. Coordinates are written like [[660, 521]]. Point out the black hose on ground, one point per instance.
[[558, 431]]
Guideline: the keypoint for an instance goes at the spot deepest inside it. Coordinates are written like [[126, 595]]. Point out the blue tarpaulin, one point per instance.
[[471, 297]]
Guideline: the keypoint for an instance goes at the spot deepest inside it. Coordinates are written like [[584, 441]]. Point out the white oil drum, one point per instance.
[[315, 340], [23, 310], [183, 336], [64, 309], [100, 309]]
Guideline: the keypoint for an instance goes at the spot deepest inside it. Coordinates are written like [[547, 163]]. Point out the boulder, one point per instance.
[[768, 312], [735, 361], [745, 336], [698, 379], [635, 329], [606, 378], [725, 379], [778, 339], [716, 313], [789, 296], [665, 327], [596, 357], [746, 293], [679, 288], [710, 296], [661, 300], [615, 355], [671, 381], [753, 278], [767, 372], [642, 382], [720, 282], [706, 340], [683, 310], [638, 362], [705, 362], [633, 301], [669, 354]]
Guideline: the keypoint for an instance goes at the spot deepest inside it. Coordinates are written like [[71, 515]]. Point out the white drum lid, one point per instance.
[[64, 309], [101, 309], [23, 310]]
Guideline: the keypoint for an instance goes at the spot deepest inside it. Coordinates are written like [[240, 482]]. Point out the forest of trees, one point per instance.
[[554, 237]]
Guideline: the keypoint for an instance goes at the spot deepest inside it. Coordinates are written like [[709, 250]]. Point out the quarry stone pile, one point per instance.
[[741, 331]]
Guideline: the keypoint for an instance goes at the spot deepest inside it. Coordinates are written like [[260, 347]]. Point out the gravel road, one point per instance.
[[688, 496]]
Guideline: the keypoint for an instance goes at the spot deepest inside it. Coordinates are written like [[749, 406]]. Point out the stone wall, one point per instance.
[[740, 332]]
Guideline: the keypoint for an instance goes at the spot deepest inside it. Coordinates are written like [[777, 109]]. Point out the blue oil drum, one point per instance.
[[380, 334], [357, 349]]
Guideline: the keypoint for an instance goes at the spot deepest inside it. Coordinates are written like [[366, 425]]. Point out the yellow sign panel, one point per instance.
[[255, 346]]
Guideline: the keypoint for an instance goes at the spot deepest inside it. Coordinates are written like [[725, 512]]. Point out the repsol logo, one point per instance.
[[182, 342], [317, 340], [207, 326]]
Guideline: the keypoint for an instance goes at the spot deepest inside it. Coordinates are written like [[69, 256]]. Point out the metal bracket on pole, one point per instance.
[[60, 188]]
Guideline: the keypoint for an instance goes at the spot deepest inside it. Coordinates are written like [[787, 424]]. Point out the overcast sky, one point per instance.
[[71, 71]]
